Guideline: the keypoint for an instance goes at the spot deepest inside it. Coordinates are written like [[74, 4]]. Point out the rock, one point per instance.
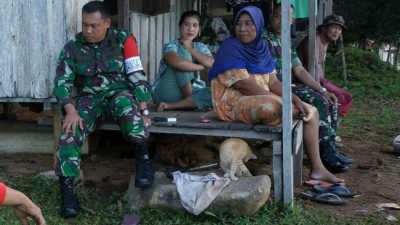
[[362, 213], [244, 196], [396, 144], [49, 174]]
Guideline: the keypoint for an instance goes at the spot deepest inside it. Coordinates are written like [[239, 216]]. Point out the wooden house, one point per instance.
[[34, 31]]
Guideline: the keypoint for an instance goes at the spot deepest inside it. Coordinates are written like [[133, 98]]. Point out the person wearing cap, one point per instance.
[[328, 32], [311, 92]]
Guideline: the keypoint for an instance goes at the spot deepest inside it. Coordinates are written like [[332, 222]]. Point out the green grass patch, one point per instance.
[[376, 92], [110, 210], [367, 75]]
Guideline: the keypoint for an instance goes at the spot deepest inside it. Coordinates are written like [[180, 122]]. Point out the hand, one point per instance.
[[301, 107], [201, 67], [72, 119], [146, 121], [23, 207], [29, 209], [331, 97]]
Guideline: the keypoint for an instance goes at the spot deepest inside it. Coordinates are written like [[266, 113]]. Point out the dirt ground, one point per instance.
[[375, 173]]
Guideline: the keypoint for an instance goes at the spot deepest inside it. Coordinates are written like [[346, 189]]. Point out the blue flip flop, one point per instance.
[[325, 198], [336, 189]]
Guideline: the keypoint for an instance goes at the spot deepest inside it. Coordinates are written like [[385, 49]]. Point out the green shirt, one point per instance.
[[97, 69], [275, 47]]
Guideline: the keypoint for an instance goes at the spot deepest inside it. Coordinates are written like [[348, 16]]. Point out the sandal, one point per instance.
[[324, 198]]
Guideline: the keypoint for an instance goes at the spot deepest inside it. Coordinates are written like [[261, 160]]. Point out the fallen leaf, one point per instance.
[[388, 205], [391, 218]]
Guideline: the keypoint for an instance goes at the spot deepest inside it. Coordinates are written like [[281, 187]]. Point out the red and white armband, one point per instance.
[[131, 56]]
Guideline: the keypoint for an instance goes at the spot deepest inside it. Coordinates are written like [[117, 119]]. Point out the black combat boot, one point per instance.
[[329, 157], [69, 201], [343, 159], [144, 171]]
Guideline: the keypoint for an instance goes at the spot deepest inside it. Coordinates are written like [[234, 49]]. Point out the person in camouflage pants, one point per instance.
[[310, 91], [103, 64]]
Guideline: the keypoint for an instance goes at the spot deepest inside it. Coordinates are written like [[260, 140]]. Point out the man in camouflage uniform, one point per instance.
[[105, 66], [310, 91]]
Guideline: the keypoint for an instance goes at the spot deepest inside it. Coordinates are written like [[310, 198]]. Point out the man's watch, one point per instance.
[[144, 112], [322, 90]]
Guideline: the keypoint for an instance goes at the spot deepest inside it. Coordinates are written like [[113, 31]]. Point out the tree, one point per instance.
[[370, 19]]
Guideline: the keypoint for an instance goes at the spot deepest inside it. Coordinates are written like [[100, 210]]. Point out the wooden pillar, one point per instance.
[[328, 7], [287, 156], [311, 38], [123, 14]]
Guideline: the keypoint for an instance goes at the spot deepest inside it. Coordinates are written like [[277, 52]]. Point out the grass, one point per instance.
[[376, 91], [110, 210], [376, 103]]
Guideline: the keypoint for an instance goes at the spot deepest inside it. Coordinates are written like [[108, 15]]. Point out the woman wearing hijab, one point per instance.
[[245, 88]]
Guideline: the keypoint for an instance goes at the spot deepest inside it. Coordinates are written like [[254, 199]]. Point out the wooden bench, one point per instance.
[[188, 122]]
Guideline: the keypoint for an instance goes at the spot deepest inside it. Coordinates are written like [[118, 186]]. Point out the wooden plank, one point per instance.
[[7, 43], [160, 128], [73, 15], [298, 167], [267, 129], [22, 73], [144, 37], [160, 41], [152, 50], [180, 8], [196, 4], [28, 100], [123, 14], [240, 126], [311, 40], [135, 27], [297, 136], [25, 137], [173, 26], [166, 21], [320, 15], [328, 7], [277, 169]]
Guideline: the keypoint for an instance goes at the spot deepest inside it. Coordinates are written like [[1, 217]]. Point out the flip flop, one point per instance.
[[312, 183], [336, 189], [324, 198]]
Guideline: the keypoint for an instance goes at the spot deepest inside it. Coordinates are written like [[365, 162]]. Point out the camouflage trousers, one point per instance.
[[122, 108], [328, 114]]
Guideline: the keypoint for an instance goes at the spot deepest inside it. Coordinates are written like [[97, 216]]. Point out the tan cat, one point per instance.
[[232, 153]]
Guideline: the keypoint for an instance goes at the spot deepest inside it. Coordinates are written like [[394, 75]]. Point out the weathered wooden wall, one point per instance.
[[32, 35], [152, 32]]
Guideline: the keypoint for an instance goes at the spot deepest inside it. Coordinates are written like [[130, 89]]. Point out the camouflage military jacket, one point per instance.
[[98, 69]]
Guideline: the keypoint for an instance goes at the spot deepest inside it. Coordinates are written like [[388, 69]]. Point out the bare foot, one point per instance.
[[325, 175], [162, 106]]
